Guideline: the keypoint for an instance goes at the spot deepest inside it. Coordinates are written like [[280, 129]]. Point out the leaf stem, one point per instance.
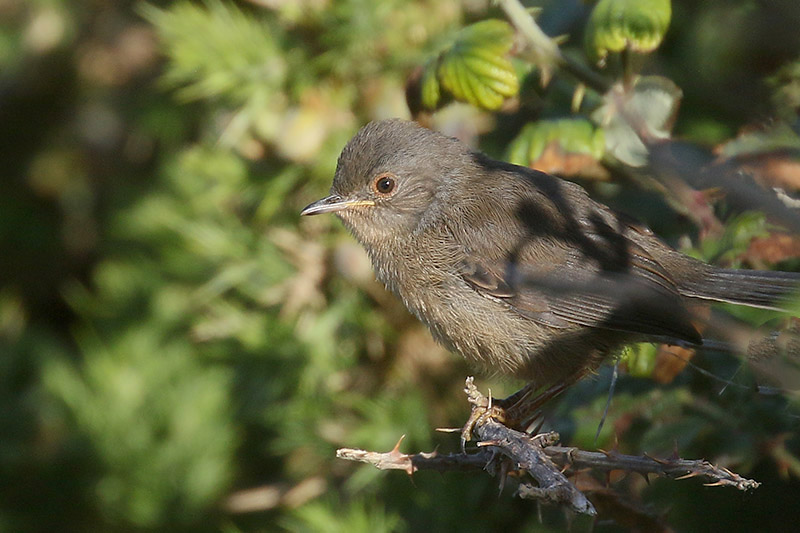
[[545, 52]]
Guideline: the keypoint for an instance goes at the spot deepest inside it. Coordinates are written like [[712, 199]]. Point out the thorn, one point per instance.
[[719, 483], [656, 459], [485, 443], [688, 476], [577, 97], [608, 454], [571, 455], [396, 449], [534, 11], [448, 430], [545, 75], [503, 477], [646, 477], [560, 39]]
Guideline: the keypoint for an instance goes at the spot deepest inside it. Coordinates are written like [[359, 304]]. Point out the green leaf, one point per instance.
[[216, 50], [477, 69], [733, 243], [144, 403], [430, 88], [574, 136], [617, 25], [650, 104], [640, 359]]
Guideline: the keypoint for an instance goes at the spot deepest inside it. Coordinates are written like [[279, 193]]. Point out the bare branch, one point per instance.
[[671, 468], [411, 463], [528, 454], [545, 461]]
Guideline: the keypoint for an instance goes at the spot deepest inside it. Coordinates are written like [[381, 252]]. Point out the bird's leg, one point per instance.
[[517, 411]]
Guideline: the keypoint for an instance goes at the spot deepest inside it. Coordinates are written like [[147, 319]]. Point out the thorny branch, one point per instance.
[[545, 461], [679, 168], [544, 51]]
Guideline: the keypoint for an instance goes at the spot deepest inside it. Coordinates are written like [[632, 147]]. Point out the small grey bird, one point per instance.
[[519, 271]]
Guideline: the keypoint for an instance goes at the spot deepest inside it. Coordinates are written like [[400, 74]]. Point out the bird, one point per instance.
[[519, 271]]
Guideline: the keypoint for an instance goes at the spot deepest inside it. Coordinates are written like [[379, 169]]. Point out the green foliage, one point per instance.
[[636, 25], [217, 50], [640, 359], [739, 232], [430, 87], [331, 517], [171, 334], [144, 416], [576, 136], [476, 69]]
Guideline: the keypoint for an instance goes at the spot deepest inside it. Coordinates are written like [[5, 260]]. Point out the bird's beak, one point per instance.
[[332, 204]]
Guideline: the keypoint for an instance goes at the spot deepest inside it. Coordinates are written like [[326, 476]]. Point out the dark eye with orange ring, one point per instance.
[[384, 184]]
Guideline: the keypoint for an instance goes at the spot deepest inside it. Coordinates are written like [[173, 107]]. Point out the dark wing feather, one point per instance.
[[640, 299]]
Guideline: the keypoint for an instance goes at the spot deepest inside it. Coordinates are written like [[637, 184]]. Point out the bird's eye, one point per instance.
[[384, 184]]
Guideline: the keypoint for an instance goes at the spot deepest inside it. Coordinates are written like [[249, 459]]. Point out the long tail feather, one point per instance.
[[755, 288]]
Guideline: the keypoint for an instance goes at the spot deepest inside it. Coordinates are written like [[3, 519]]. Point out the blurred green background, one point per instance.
[[179, 351]]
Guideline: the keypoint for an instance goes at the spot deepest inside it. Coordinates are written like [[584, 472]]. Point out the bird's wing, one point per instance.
[[639, 298]]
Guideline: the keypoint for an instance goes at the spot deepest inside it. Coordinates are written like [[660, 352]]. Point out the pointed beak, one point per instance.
[[332, 204]]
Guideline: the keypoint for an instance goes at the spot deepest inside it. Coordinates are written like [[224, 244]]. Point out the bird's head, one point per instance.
[[387, 179]]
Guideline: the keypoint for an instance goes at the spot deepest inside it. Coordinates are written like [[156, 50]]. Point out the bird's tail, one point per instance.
[[755, 288]]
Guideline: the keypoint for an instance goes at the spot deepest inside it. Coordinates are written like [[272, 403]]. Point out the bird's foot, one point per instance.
[[518, 411], [483, 408]]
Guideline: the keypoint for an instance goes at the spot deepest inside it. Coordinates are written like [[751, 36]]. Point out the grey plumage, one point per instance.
[[519, 271]]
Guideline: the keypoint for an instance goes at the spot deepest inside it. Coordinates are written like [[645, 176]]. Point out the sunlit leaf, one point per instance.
[[567, 146], [645, 111], [476, 69], [640, 359], [429, 87], [637, 25]]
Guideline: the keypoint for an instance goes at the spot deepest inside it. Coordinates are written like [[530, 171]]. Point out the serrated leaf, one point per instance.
[[637, 25], [650, 104], [429, 87], [477, 69], [573, 136]]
